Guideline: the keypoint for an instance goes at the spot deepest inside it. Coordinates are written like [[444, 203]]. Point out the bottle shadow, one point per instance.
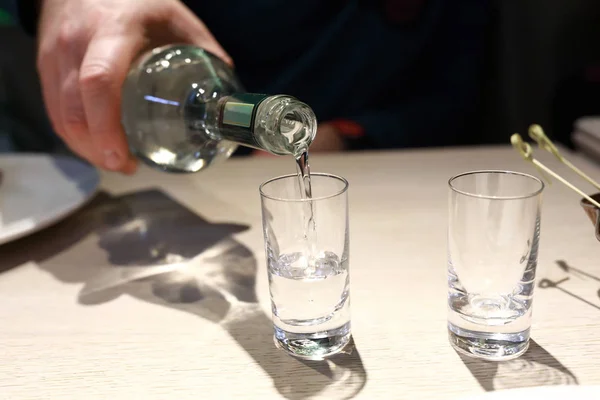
[[536, 367], [154, 249]]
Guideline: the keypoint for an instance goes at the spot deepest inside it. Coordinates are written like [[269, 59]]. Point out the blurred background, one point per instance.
[[541, 65]]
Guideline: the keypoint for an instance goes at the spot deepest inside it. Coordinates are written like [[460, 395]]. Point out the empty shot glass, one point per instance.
[[306, 244], [493, 236]]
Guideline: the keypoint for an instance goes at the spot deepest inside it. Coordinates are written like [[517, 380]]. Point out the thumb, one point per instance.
[[190, 29]]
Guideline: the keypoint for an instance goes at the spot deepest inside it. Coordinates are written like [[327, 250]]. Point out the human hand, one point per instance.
[[85, 51]]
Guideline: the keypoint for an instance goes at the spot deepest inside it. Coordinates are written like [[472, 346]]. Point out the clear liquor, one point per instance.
[[184, 109], [311, 303]]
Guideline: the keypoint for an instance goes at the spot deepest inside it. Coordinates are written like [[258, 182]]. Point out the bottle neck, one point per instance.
[[278, 124]]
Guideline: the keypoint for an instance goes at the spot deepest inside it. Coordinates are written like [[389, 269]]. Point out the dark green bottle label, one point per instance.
[[240, 110]]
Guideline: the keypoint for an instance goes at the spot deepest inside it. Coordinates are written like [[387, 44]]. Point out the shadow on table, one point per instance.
[[562, 264], [575, 272], [149, 246], [536, 367]]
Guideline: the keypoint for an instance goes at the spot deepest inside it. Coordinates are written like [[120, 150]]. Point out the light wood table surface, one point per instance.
[[88, 312]]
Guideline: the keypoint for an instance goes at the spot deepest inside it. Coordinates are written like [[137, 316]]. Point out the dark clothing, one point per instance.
[[409, 81], [407, 71]]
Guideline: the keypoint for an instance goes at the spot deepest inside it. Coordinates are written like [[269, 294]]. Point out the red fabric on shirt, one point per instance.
[[402, 10]]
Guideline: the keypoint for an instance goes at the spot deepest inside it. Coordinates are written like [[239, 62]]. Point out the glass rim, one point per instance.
[[287, 176], [497, 171]]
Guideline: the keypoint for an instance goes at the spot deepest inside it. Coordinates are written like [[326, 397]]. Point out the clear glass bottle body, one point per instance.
[[184, 109]]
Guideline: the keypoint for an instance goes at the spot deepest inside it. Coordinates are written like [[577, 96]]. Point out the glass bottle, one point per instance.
[[184, 109]]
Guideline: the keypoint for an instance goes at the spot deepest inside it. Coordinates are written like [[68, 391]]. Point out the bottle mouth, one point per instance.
[[297, 125]]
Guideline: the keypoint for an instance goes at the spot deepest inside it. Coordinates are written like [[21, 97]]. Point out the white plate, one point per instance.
[[39, 190], [570, 392]]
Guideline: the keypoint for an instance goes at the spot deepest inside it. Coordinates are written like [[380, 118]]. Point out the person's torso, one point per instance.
[[339, 56]]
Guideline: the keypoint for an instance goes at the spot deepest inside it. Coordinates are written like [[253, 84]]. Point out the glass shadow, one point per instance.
[[149, 246]]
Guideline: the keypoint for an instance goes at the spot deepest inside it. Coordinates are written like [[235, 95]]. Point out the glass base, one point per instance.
[[313, 346], [488, 346]]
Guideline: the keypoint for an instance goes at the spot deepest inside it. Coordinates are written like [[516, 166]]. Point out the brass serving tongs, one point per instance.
[[590, 204]]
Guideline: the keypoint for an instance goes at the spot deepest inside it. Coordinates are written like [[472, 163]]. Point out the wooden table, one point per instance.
[[88, 312]]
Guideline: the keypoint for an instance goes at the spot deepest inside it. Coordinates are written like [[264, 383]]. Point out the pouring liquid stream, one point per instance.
[[309, 218]]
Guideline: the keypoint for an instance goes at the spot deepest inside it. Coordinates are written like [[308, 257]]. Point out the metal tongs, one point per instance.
[[590, 204]]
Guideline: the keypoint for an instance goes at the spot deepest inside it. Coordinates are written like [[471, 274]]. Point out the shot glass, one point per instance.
[[306, 244], [493, 236]]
